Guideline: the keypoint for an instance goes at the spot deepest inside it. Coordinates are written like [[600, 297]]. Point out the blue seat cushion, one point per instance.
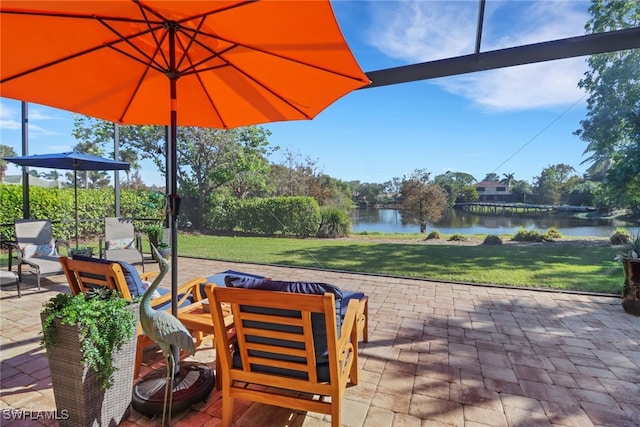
[[134, 283], [219, 278], [317, 319]]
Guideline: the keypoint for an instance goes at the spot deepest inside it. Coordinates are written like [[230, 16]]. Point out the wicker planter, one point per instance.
[[80, 401], [631, 291]]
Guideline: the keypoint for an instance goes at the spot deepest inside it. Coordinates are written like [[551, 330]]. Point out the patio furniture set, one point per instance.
[[36, 248], [299, 343]]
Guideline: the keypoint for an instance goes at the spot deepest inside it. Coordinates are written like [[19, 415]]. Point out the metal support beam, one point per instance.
[[527, 54], [479, 26]]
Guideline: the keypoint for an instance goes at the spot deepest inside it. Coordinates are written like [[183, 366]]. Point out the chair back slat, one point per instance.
[[274, 346]]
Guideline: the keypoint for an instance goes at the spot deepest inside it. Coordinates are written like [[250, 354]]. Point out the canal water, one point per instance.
[[390, 221]]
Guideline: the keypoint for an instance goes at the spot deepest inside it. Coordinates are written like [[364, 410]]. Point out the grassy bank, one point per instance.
[[546, 265], [579, 265]]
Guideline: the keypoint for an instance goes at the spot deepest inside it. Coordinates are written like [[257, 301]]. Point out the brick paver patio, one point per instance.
[[438, 354]]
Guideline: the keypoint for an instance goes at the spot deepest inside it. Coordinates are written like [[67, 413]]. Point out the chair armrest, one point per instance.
[[348, 323], [101, 244], [60, 242], [148, 277], [11, 246], [186, 291], [138, 241]]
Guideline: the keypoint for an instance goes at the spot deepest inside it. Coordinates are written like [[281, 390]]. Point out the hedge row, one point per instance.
[[57, 204], [285, 216]]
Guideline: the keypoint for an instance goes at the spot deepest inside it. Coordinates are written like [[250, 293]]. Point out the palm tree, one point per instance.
[[5, 151], [130, 157], [508, 179]]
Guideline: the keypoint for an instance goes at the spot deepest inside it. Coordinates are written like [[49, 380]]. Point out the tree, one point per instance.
[[612, 127], [5, 151], [130, 156], [89, 179], [53, 175], [296, 176], [249, 166], [508, 179], [492, 177], [521, 190], [459, 186], [366, 193], [422, 201], [554, 184]]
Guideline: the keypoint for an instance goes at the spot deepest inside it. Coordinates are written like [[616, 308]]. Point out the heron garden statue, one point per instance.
[[166, 330]]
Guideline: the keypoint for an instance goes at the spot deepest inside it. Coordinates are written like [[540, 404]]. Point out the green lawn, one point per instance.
[[548, 265]]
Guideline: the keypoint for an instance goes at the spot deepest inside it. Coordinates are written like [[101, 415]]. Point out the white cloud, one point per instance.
[[419, 31], [523, 87]]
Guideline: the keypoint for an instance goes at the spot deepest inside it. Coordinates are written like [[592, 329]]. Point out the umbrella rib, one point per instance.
[[143, 11], [50, 64], [193, 17], [152, 63], [211, 102], [192, 39], [270, 53]]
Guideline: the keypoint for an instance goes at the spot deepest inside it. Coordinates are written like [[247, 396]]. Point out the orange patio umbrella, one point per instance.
[[180, 63]]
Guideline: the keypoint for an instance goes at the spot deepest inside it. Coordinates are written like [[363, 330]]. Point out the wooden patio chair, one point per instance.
[[121, 242], [287, 350], [86, 274], [36, 248]]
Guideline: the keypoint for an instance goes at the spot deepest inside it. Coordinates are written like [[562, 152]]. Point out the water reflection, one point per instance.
[[390, 221]]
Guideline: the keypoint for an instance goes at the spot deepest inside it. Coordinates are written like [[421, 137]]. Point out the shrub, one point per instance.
[[334, 223], [552, 234], [527, 236], [435, 234], [458, 238], [492, 240], [620, 237]]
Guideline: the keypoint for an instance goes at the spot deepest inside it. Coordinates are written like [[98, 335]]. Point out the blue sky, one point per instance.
[[514, 120]]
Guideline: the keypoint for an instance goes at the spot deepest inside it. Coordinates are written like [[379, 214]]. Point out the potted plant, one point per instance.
[[90, 339], [155, 233], [164, 249], [629, 256]]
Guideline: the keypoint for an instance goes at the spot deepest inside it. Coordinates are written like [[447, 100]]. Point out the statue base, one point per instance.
[[192, 384]]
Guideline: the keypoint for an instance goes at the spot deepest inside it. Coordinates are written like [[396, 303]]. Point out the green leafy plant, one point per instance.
[[492, 239], [435, 234], [105, 325], [620, 237], [334, 223], [458, 238], [631, 249], [155, 233], [524, 235], [552, 234]]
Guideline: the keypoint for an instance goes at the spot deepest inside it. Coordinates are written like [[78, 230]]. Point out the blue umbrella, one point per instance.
[[70, 161]]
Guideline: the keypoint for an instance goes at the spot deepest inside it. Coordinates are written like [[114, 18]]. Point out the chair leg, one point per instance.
[[227, 409], [139, 352], [363, 311], [336, 411]]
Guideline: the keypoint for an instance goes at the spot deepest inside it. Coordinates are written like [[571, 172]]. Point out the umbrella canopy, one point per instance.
[[217, 63], [70, 161], [236, 63]]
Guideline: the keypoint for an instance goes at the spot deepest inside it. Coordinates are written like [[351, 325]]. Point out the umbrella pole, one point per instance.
[[75, 198], [172, 153]]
